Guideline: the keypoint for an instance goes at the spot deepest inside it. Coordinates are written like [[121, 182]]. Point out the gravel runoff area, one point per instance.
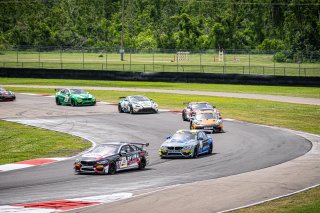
[[287, 99]]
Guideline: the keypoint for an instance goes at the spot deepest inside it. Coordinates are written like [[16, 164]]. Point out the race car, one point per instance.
[[194, 107], [6, 95], [74, 97], [186, 143], [109, 158], [137, 104], [207, 121]]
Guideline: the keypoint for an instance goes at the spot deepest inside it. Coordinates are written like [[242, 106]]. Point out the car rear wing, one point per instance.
[[122, 97], [142, 145], [186, 102], [57, 89]]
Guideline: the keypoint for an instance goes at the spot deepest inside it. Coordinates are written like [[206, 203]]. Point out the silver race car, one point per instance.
[[137, 104]]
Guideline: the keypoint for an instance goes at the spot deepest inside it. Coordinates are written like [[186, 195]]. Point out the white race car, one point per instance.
[[137, 104]]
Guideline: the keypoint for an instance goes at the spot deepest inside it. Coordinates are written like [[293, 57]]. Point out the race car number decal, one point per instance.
[[123, 162], [66, 99]]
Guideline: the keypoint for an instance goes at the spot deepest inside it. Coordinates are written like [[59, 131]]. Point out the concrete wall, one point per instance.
[[159, 76]]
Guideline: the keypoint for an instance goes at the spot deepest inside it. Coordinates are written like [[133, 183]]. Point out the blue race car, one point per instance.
[[187, 143]]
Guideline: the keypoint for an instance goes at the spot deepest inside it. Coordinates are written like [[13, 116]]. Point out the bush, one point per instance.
[[280, 57]]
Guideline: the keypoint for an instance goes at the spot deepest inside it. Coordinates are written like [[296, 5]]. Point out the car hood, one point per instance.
[[178, 143], [82, 96], [207, 121], [144, 103], [93, 156]]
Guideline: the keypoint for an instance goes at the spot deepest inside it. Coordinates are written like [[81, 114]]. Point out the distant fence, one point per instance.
[[248, 62]]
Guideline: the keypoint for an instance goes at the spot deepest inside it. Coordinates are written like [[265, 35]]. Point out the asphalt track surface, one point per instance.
[[243, 147]]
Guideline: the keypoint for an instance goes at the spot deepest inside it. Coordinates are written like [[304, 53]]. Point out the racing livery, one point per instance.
[[186, 143], [74, 97], [206, 121], [194, 107], [6, 95], [137, 104], [108, 158]]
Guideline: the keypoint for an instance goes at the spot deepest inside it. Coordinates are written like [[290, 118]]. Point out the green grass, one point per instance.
[[261, 64], [304, 202], [310, 92], [293, 116], [19, 142]]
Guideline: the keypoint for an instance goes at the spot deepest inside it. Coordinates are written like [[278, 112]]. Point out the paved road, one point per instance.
[[286, 99], [243, 148]]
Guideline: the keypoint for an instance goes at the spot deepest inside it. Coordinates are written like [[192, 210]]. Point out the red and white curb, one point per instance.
[[29, 163], [63, 205]]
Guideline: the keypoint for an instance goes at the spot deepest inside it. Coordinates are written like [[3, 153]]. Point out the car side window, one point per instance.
[[67, 92], [205, 137], [126, 149]]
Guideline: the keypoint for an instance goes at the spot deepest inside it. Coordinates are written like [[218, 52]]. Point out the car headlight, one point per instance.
[[103, 162], [163, 147]]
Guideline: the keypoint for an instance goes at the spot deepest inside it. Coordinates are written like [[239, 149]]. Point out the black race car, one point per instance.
[[6, 95], [108, 158]]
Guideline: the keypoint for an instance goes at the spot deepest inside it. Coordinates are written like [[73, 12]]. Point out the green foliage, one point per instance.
[[172, 24], [280, 57]]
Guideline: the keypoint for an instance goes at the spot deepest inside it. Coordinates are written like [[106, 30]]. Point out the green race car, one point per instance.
[[74, 97]]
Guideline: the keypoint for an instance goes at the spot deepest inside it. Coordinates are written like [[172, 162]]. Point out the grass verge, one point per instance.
[[19, 142], [304, 202], [309, 92]]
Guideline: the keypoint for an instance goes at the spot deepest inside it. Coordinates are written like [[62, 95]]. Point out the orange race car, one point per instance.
[[194, 107], [207, 120]]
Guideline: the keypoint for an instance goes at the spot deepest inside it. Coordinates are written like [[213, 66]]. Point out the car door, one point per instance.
[[61, 96], [125, 104], [126, 154], [203, 141]]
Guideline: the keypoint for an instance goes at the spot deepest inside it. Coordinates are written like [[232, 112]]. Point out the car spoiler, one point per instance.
[[186, 102], [139, 144], [57, 89], [122, 97]]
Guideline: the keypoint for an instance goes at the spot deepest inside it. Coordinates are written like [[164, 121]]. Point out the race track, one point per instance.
[[243, 147]]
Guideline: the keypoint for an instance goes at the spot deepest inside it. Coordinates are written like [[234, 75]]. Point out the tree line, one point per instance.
[[171, 24]]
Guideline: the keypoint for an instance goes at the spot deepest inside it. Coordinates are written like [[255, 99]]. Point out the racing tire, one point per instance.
[[210, 149], [112, 168], [58, 101], [195, 152], [119, 109], [184, 117], [131, 110], [73, 103], [143, 163]]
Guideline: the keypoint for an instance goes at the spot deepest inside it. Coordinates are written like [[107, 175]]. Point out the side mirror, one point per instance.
[[220, 117], [150, 99], [168, 137]]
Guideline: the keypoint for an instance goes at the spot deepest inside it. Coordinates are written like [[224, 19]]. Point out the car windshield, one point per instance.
[[206, 116], [183, 136], [201, 106], [138, 98], [77, 91], [106, 149]]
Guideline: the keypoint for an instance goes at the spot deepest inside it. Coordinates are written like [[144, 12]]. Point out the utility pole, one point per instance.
[[122, 31]]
